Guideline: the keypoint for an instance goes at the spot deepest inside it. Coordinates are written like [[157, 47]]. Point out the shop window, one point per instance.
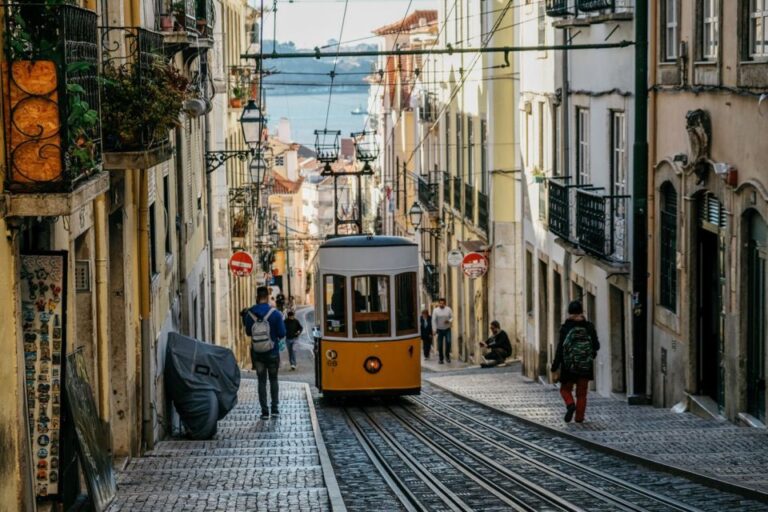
[[371, 306]]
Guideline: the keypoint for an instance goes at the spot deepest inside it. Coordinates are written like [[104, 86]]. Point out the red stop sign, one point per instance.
[[241, 263]]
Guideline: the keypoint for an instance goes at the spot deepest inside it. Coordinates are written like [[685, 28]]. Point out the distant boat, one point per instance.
[[358, 111]]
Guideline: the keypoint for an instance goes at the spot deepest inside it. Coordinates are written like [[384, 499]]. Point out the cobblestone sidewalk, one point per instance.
[[721, 450], [251, 464]]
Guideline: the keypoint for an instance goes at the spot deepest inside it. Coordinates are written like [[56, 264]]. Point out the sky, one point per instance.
[[310, 23]]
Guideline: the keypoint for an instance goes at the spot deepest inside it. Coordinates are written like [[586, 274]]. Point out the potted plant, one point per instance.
[[166, 22], [179, 10], [538, 175], [238, 96]]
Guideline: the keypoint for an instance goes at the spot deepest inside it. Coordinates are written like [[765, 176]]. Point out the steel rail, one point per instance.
[[548, 496], [670, 502], [445, 495]]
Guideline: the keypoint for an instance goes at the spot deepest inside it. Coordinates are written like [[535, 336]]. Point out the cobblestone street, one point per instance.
[[716, 449], [250, 464]]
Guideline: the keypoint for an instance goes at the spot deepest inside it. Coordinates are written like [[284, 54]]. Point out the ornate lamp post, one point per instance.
[[252, 123]]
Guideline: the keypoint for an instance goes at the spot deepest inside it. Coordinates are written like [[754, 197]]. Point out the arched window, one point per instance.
[[668, 246]]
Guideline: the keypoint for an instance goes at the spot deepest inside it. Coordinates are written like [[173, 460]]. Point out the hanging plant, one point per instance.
[[141, 105]]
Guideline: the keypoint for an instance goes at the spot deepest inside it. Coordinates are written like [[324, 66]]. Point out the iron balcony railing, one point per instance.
[[482, 211], [50, 96], [595, 5], [431, 280], [428, 195], [559, 207], [601, 224], [469, 202], [558, 8]]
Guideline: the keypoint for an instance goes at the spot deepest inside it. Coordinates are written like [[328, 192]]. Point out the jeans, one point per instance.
[[291, 351], [496, 356], [426, 345], [444, 344], [266, 365], [566, 391]]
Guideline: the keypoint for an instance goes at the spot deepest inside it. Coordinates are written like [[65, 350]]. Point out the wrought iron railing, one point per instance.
[[595, 5], [482, 211], [556, 8], [431, 280], [601, 224], [51, 98], [469, 202], [428, 195], [135, 55], [559, 208]]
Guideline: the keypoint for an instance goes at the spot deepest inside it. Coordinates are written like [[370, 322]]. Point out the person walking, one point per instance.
[[265, 325], [574, 360], [293, 330], [425, 329], [498, 345], [442, 318]]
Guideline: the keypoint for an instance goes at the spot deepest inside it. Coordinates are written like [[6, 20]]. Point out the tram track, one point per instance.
[[621, 494]]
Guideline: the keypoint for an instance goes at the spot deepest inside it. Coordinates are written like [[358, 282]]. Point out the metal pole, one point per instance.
[[639, 209]]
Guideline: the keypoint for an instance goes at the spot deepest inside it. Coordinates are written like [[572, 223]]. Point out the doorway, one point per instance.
[[618, 341], [543, 319], [709, 307], [757, 255]]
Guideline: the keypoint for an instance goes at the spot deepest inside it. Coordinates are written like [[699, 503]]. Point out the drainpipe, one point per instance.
[[102, 305], [144, 308], [640, 210], [209, 198]]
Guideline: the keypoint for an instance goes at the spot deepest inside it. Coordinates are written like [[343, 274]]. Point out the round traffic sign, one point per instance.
[[241, 264], [474, 265], [455, 257]]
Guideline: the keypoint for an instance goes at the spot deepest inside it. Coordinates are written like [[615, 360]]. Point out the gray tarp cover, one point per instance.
[[202, 381]]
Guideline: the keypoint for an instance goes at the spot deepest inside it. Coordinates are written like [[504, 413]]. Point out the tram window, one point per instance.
[[371, 308], [335, 305], [405, 304]]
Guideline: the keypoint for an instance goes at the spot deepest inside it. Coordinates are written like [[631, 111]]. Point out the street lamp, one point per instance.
[[252, 123], [415, 214]]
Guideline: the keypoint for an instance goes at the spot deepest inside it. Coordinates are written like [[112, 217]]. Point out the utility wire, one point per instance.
[[335, 62]]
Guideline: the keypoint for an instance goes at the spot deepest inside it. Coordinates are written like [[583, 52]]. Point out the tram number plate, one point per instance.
[[333, 363]]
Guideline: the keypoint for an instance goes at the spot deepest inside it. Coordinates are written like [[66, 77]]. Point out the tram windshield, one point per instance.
[[335, 305], [371, 306], [405, 304]]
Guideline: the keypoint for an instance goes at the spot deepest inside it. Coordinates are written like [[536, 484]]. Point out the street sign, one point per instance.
[[455, 257], [474, 265], [241, 264]]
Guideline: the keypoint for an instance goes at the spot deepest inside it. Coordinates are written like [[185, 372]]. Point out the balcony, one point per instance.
[[206, 18], [559, 208], [559, 8], [428, 195], [482, 211], [51, 98], [601, 224], [469, 202], [428, 110], [457, 193], [431, 280], [595, 5], [142, 97]]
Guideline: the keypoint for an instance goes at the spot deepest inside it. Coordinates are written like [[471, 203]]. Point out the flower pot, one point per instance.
[[166, 23], [538, 179], [235, 103], [202, 27]]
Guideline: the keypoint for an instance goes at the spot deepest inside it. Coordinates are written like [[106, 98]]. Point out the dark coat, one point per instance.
[[500, 342], [293, 328], [425, 328], [570, 323]]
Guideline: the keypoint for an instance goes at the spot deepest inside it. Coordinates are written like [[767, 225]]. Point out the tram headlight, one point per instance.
[[372, 364]]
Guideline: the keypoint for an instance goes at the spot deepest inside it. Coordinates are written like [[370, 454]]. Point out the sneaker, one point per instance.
[[569, 413], [265, 414], [293, 367], [275, 412]]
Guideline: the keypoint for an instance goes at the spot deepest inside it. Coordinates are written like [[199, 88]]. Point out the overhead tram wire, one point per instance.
[[335, 62]]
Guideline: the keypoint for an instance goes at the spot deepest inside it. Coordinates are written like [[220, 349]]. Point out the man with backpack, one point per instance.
[[264, 324], [574, 359]]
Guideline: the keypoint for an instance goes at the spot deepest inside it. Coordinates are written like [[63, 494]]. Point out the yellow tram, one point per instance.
[[367, 335]]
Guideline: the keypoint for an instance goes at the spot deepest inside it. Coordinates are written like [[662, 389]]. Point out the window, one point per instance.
[[668, 248], [582, 146], [167, 207], [670, 15], [542, 24], [370, 315], [447, 121], [405, 304], [529, 282], [335, 305], [280, 160], [619, 152], [484, 156], [758, 29], [470, 150], [540, 135], [459, 159], [153, 239], [709, 29]]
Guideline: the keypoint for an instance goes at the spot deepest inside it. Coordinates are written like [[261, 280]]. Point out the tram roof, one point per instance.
[[367, 241]]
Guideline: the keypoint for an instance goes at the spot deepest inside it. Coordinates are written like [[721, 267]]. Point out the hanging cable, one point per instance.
[[335, 62]]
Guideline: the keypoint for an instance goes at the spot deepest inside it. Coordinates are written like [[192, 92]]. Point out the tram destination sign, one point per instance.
[[474, 265]]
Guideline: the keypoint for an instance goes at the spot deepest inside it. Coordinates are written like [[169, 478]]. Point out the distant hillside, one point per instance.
[[297, 76]]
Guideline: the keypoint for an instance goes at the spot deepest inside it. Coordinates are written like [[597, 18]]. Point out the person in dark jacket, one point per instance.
[[293, 330], [498, 345], [425, 329], [266, 364], [568, 377]]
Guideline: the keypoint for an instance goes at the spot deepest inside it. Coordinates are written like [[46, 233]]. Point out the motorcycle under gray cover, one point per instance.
[[202, 381]]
